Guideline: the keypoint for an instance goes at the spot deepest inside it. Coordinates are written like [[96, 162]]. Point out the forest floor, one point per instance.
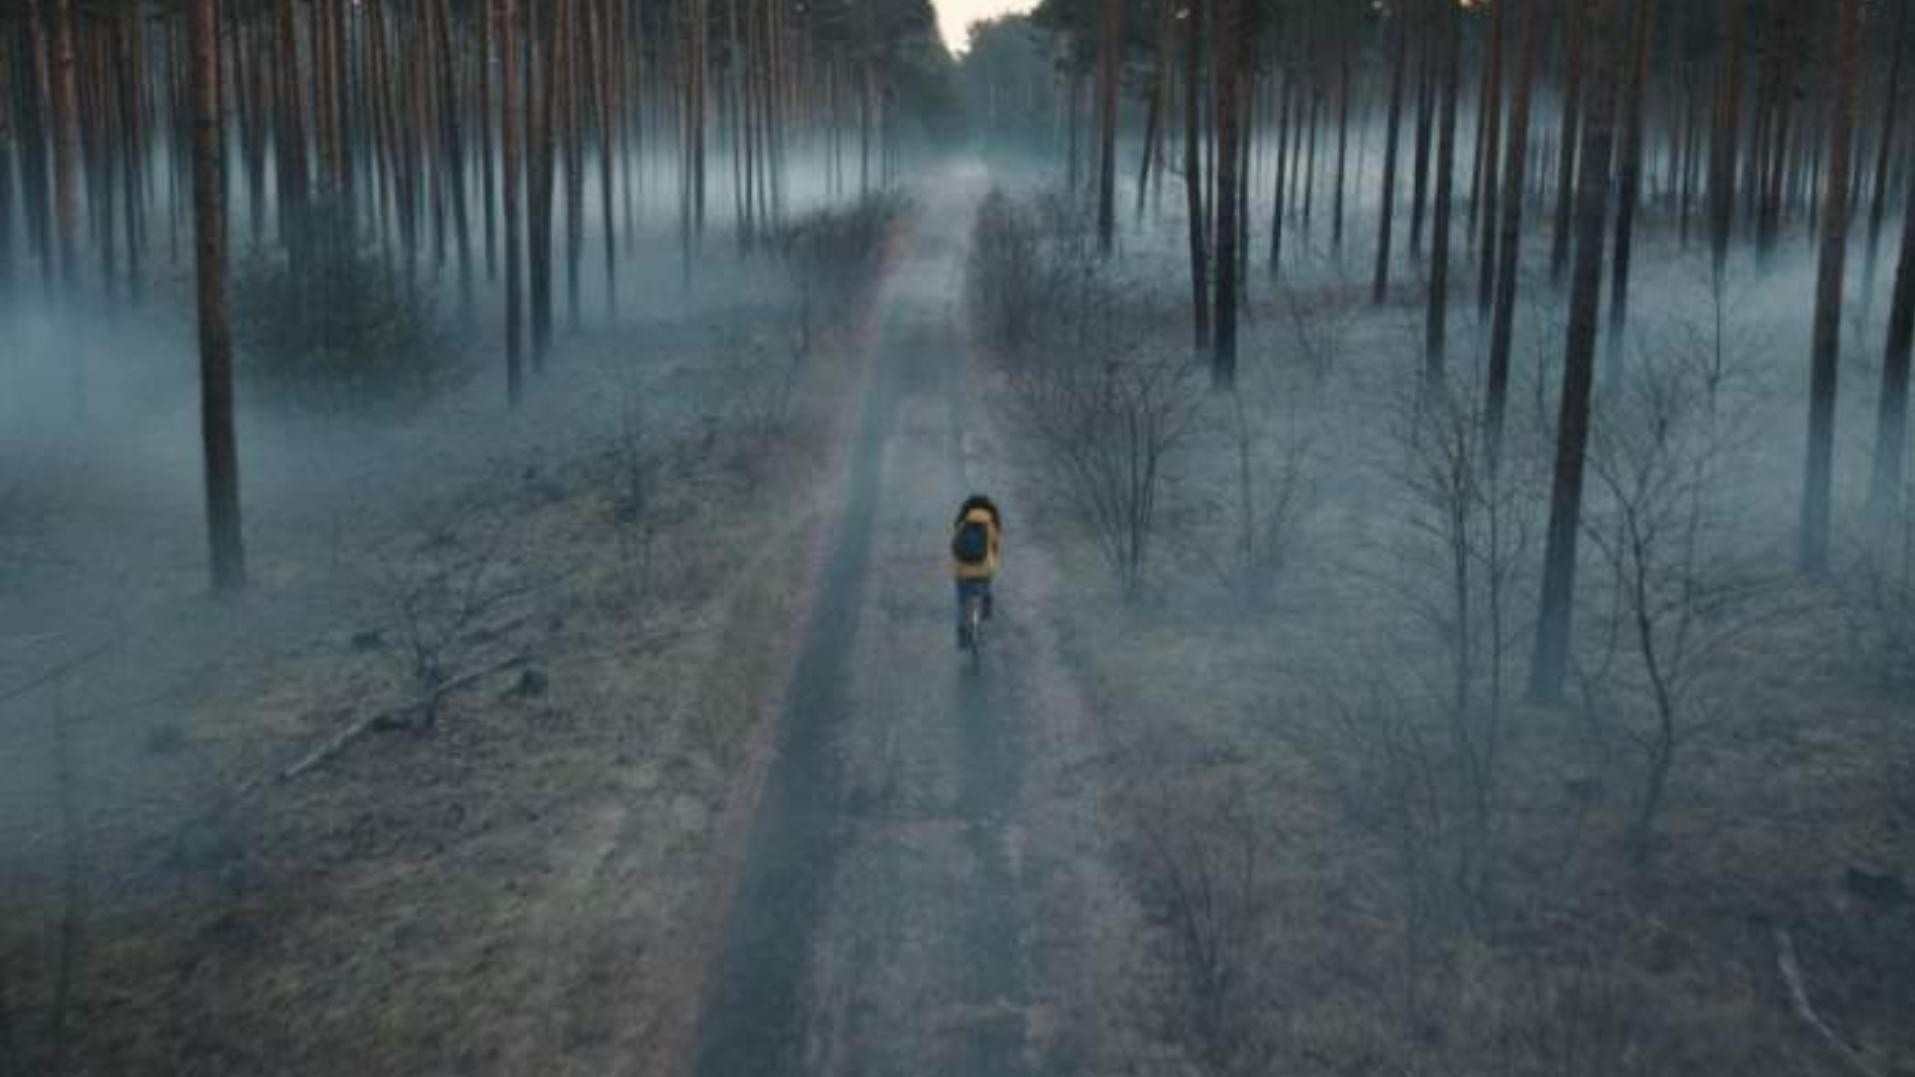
[[526, 877], [713, 792], [686, 650], [1281, 791]]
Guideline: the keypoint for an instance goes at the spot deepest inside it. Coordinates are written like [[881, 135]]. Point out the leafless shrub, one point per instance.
[[1274, 488], [1103, 414], [765, 385], [461, 590], [1200, 862], [637, 460], [1674, 600], [1034, 282], [1317, 327], [1003, 272], [1104, 431], [834, 257], [1469, 524], [1250, 481], [1398, 786]]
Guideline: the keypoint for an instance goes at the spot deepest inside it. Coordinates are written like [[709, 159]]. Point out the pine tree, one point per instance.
[[215, 335]]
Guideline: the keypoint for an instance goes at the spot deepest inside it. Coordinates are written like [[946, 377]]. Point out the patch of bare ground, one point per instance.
[[486, 821]]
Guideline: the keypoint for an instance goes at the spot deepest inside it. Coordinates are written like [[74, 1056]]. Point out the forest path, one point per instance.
[[883, 923]]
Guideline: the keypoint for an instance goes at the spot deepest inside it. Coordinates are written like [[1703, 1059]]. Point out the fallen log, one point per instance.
[[339, 741]]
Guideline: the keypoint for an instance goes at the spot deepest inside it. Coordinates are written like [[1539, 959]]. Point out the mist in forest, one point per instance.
[[476, 540]]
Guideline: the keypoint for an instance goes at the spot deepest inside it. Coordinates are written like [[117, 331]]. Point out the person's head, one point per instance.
[[975, 502]]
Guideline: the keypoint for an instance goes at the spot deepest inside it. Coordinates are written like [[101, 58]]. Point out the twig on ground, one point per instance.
[[339, 741], [1799, 1001]]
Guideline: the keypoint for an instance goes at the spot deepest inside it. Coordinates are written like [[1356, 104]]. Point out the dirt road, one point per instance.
[[885, 920]]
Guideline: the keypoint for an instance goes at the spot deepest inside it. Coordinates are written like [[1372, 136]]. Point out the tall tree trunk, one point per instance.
[[1344, 49], [1279, 199], [1574, 32], [482, 19], [1310, 159], [569, 67], [1193, 175], [1223, 368], [541, 80], [1157, 117], [131, 45], [1686, 186], [228, 556], [290, 142], [249, 76], [1509, 258], [34, 109], [1436, 326], [1380, 289], [8, 85], [731, 106], [1781, 158], [66, 141], [511, 168], [1891, 102], [325, 94], [1074, 158], [1425, 115], [1110, 59], [1891, 421], [1728, 123], [341, 81], [452, 132], [608, 143], [1629, 181], [1550, 663], [1816, 492], [698, 65], [1486, 162]]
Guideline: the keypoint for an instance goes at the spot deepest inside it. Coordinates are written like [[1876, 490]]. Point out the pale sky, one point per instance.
[[955, 15]]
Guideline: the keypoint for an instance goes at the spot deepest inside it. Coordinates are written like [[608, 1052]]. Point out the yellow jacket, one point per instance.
[[989, 566]]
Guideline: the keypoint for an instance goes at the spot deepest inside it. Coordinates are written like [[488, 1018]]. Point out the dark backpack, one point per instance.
[[972, 543]]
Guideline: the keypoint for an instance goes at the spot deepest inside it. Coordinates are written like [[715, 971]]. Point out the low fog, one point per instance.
[[1392, 664]]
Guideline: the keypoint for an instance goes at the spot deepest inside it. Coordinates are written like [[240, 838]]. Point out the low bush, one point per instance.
[[1104, 433], [1033, 279], [329, 327], [835, 257]]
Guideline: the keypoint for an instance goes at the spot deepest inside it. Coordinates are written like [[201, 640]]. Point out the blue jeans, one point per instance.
[[967, 588]]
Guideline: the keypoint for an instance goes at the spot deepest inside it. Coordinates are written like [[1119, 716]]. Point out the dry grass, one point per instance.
[[1577, 965], [524, 884], [1282, 764]]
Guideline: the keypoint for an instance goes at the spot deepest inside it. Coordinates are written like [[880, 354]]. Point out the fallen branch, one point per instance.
[[339, 741], [1799, 1001]]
